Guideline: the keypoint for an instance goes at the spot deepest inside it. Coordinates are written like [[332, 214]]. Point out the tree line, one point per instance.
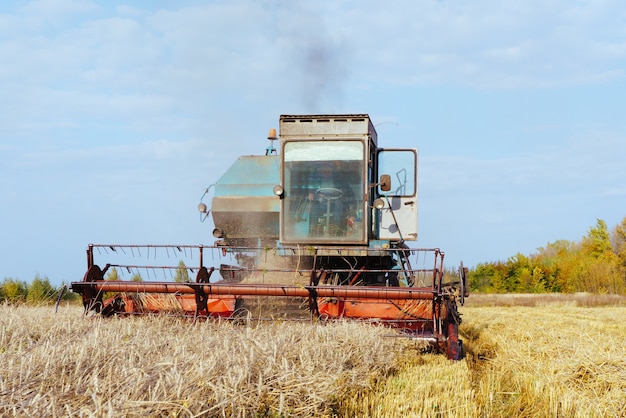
[[596, 264], [38, 291]]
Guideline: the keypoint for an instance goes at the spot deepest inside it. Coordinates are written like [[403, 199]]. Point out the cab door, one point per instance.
[[397, 220]]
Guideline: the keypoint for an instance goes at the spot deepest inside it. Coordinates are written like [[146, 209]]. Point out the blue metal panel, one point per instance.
[[244, 206], [250, 176]]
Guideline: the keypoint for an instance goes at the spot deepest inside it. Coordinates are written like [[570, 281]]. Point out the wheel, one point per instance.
[[92, 299]]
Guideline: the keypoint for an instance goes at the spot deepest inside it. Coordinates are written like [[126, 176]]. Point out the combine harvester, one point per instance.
[[317, 228]]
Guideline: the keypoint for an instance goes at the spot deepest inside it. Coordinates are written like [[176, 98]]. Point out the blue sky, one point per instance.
[[116, 115]]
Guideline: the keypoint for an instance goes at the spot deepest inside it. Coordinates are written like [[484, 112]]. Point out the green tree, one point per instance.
[[182, 275], [599, 265], [479, 278], [619, 242], [524, 280], [40, 290], [67, 295], [537, 281], [619, 247], [598, 241], [14, 290], [136, 278], [499, 283], [557, 261], [112, 274]]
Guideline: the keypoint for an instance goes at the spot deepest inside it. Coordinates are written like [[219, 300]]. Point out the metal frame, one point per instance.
[[433, 325]]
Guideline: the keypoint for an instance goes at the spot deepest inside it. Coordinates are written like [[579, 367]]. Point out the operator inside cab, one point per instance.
[[321, 199], [332, 198]]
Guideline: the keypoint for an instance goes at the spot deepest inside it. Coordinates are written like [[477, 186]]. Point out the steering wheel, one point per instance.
[[329, 193]]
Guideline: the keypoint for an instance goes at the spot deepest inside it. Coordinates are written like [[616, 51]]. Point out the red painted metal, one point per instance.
[[426, 311], [132, 303], [260, 290]]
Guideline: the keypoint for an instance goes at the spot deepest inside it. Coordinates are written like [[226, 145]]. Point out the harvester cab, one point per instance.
[[323, 219], [334, 189], [330, 188]]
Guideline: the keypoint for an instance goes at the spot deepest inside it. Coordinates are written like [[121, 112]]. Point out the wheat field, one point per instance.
[[534, 357]]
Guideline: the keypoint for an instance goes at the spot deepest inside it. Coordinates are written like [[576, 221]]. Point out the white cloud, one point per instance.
[[511, 45], [126, 10], [57, 7], [299, 54], [579, 166]]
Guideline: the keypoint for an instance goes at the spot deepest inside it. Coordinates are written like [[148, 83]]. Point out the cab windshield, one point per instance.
[[324, 191]]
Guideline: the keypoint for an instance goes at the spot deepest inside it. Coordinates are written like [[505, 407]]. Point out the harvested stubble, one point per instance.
[[550, 360], [556, 359]]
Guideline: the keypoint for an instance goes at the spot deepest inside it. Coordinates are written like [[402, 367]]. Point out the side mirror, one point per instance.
[[385, 182]]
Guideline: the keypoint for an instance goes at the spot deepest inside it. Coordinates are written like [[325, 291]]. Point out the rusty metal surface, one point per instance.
[[363, 292], [327, 126]]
